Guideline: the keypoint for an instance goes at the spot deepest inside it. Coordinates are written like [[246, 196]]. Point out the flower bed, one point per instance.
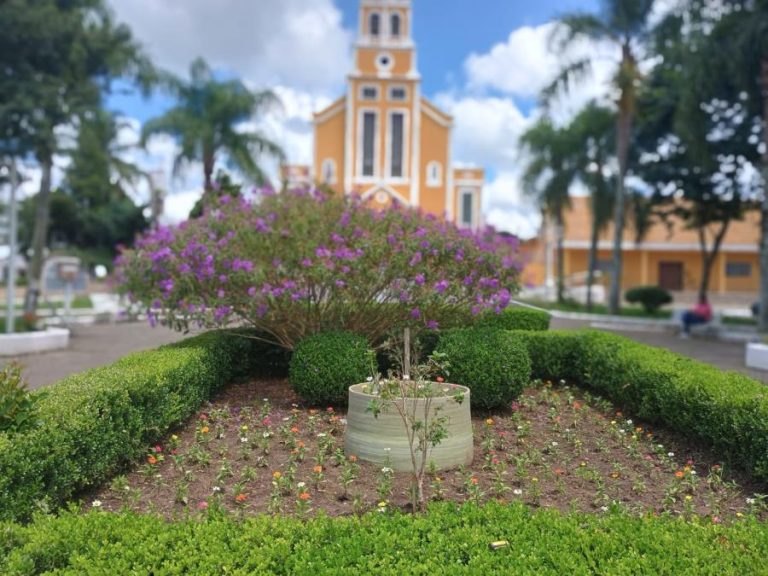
[[257, 449]]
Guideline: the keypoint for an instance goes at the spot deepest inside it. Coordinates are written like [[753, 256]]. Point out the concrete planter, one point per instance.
[[33, 342], [369, 437], [757, 355]]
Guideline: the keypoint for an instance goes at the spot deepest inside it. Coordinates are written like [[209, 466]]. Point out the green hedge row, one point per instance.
[[447, 540], [517, 318], [727, 410], [94, 423]]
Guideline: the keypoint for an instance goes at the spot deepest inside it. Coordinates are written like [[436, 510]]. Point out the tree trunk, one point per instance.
[[40, 234], [207, 174], [708, 257], [622, 150], [560, 257], [592, 263], [762, 323]]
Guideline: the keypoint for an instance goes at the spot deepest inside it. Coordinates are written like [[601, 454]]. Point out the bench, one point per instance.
[[713, 328]]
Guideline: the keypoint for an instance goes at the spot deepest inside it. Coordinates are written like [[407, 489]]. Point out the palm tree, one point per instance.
[[548, 175], [207, 122], [592, 127], [625, 24], [740, 41]]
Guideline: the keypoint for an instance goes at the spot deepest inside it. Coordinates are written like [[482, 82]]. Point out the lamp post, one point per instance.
[[12, 233]]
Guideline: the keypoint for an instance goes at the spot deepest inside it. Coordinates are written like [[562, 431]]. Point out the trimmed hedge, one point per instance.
[[651, 298], [493, 363], [517, 318], [95, 423], [727, 410], [447, 540], [325, 365]]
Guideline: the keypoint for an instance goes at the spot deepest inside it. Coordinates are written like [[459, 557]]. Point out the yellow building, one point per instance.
[[668, 255], [383, 139]]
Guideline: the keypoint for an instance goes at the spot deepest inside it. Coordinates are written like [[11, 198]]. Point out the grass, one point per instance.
[[630, 311], [78, 302]]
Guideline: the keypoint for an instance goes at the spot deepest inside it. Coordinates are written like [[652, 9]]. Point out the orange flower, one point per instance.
[[295, 430], [577, 405], [473, 480], [440, 379], [615, 474], [304, 496], [353, 458], [317, 469], [559, 471], [277, 475], [679, 474], [241, 497], [300, 444], [489, 421], [205, 429], [152, 460]]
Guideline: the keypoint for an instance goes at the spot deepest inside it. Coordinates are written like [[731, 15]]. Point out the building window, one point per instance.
[[369, 93], [738, 269], [369, 142], [397, 93], [467, 208], [394, 25], [397, 121], [375, 25], [434, 174], [329, 171]]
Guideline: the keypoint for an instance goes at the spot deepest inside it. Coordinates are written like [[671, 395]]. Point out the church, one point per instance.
[[383, 139]]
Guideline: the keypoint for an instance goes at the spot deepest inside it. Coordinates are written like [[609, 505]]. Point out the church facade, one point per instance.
[[383, 139]]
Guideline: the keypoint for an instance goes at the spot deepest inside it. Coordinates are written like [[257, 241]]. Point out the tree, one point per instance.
[[57, 58], [740, 49], [625, 24], [208, 122], [222, 186], [592, 134], [694, 139], [549, 173]]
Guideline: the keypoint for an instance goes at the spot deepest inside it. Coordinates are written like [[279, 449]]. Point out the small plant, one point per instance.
[[651, 298], [17, 405], [424, 427]]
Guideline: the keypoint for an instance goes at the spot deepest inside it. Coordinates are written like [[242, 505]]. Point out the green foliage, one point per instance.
[[447, 540], [492, 363], [325, 365], [651, 298], [726, 410], [17, 406], [95, 423], [516, 318]]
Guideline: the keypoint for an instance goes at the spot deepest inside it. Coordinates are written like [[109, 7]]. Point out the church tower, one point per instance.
[[383, 140]]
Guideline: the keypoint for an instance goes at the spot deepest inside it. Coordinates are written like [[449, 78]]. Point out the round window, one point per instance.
[[384, 61]]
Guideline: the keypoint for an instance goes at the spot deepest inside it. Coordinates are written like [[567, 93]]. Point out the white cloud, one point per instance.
[[300, 43], [507, 208]]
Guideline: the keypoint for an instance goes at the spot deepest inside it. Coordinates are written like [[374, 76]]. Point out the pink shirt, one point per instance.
[[704, 310]]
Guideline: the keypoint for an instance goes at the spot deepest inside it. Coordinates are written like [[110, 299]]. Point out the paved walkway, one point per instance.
[[92, 346], [97, 345]]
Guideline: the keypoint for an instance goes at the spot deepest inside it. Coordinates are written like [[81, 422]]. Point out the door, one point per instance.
[[671, 275]]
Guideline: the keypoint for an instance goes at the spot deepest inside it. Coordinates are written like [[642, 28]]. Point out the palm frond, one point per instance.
[[568, 76]]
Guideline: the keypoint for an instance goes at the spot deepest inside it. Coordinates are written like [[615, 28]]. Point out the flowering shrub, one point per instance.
[[298, 263]]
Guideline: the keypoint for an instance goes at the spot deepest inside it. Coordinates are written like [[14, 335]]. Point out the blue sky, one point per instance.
[[483, 61]]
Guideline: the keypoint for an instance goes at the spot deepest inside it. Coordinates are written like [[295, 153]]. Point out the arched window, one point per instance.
[[374, 25], [329, 171], [394, 25], [434, 174]]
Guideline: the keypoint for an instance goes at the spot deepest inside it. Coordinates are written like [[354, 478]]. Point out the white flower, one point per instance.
[[517, 492], [266, 435], [387, 470], [629, 422], [671, 454], [750, 501], [343, 421], [554, 444], [369, 379], [285, 419], [243, 439], [519, 427], [301, 484], [387, 450], [604, 508], [693, 472], [217, 488], [96, 504], [567, 430], [322, 435], [621, 430], [265, 400]]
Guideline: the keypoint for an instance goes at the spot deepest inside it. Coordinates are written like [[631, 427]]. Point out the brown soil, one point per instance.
[[557, 447]]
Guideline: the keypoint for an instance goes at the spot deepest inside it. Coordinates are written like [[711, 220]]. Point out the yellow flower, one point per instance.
[[277, 475]]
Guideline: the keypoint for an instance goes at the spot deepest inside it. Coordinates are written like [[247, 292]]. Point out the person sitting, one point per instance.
[[700, 314]]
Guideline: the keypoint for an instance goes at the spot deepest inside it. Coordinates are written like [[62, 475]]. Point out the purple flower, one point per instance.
[[322, 252], [419, 279], [345, 217], [416, 259], [261, 310], [220, 293], [441, 286], [433, 325], [252, 291], [340, 283], [415, 313], [306, 262], [223, 278], [336, 238]]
